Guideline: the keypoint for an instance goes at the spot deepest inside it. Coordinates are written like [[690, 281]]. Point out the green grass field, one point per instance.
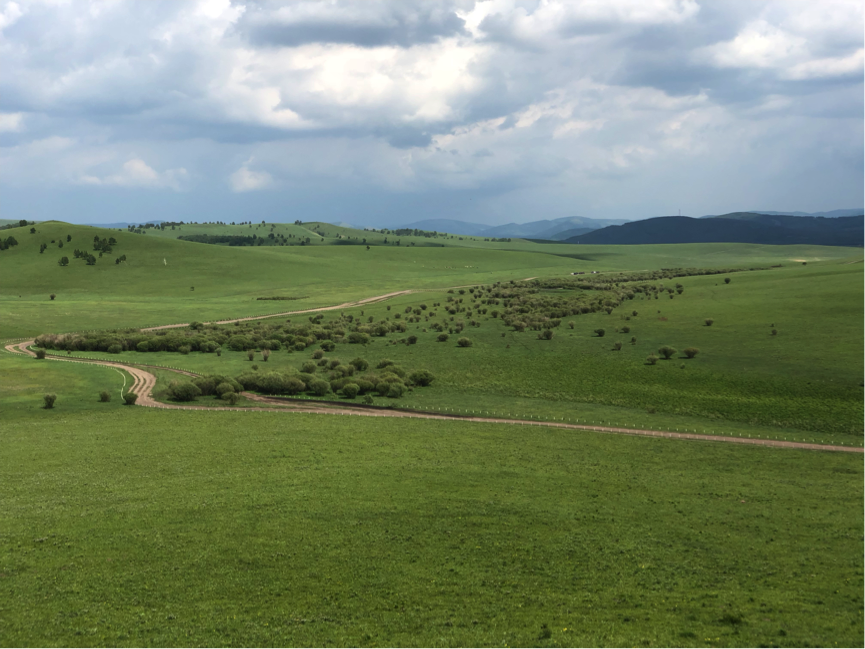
[[128, 526]]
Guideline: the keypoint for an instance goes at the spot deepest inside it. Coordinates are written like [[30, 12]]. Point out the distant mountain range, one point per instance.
[[834, 214], [544, 229], [737, 227]]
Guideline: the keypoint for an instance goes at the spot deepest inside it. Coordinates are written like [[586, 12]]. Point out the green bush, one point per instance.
[[667, 352], [600, 332], [726, 280], [206, 384], [350, 390], [412, 340], [143, 346], [368, 400], [625, 330], [421, 377], [308, 367], [48, 401], [691, 352], [130, 398], [395, 390], [333, 363], [40, 354], [709, 322], [617, 346], [183, 391], [319, 387], [651, 359], [464, 342], [231, 397], [299, 347], [328, 345], [250, 354], [442, 338], [318, 354], [184, 349], [223, 388], [115, 349], [360, 364], [358, 338], [104, 397], [546, 334]]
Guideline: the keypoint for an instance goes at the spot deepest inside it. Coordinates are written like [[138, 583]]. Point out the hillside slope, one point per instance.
[[732, 228]]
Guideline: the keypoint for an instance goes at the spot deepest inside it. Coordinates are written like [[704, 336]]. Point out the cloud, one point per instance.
[[549, 99], [137, 173], [247, 180]]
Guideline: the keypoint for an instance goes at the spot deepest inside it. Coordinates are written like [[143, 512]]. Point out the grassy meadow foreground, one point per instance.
[[136, 527]]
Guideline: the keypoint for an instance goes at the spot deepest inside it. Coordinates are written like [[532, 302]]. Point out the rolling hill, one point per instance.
[[742, 227]]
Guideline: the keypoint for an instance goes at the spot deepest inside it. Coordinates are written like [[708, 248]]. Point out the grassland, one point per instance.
[[141, 527], [128, 526]]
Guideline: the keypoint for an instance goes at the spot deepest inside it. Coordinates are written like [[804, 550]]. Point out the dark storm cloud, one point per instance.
[[367, 24]]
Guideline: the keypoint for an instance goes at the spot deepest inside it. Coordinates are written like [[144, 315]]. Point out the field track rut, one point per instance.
[[144, 382]]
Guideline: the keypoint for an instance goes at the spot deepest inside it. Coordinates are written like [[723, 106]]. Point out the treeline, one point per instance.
[[239, 240]]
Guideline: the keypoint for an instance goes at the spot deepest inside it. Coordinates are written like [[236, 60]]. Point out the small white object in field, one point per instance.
[[164, 261]]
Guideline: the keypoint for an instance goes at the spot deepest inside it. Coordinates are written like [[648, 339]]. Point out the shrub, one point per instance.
[[651, 359], [299, 347], [617, 346], [625, 330], [308, 367], [359, 364], [546, 334], [104, 397], [254, 367], [350, 390], [412, 340], [219, 351], [442, 338], [328, 345], [709, 322], [395, 390], [114, 349], [368, 400], [634, 313], [184, 349], [206, 384], [231, 397], [265, 354], [600, 332], [319, 387], [333, 363], [774, 332], [317, 354], [130, 398], [384, 363], [667, 352], [223, 388], [52, 296], [421, 377], [633, 340], [49, 400], [690, 352], [40, 354], [358, 338], [143, 346], [726, 280], [64, 261], [183, 391], [464, 342]]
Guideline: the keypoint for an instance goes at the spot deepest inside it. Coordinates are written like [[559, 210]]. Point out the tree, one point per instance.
[[114, 349], [250, 354], [104, 396], [667, 352], [691, 352], [68, 238], [64, 261], [600, 333], [709, 322], [130, 398], [265, 354], [464, 342], [32, 230], [726, 280], [49, 400], [40, 354]]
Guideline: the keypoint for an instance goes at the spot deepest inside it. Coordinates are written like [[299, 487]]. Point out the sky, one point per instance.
[[387, 112]]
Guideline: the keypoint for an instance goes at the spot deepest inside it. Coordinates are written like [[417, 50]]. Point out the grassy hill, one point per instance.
[[737, 228], [134, 526]]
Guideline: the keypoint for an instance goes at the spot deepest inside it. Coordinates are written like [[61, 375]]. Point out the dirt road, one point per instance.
[[144, 382]]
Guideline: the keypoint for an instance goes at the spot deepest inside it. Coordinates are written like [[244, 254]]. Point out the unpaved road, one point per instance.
[[345, 305], [144, 382]]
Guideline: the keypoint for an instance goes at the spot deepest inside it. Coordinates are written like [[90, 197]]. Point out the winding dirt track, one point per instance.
[[144, 382]]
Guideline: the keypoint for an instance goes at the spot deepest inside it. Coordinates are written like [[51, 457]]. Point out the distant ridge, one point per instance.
[[832, 214], [738, 227], [543, 229]]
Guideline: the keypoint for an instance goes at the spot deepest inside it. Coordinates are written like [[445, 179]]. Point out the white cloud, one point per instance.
[[247, 180], [10, 15], [828, 67], [11, 122], [759, 45], [137, 173]]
